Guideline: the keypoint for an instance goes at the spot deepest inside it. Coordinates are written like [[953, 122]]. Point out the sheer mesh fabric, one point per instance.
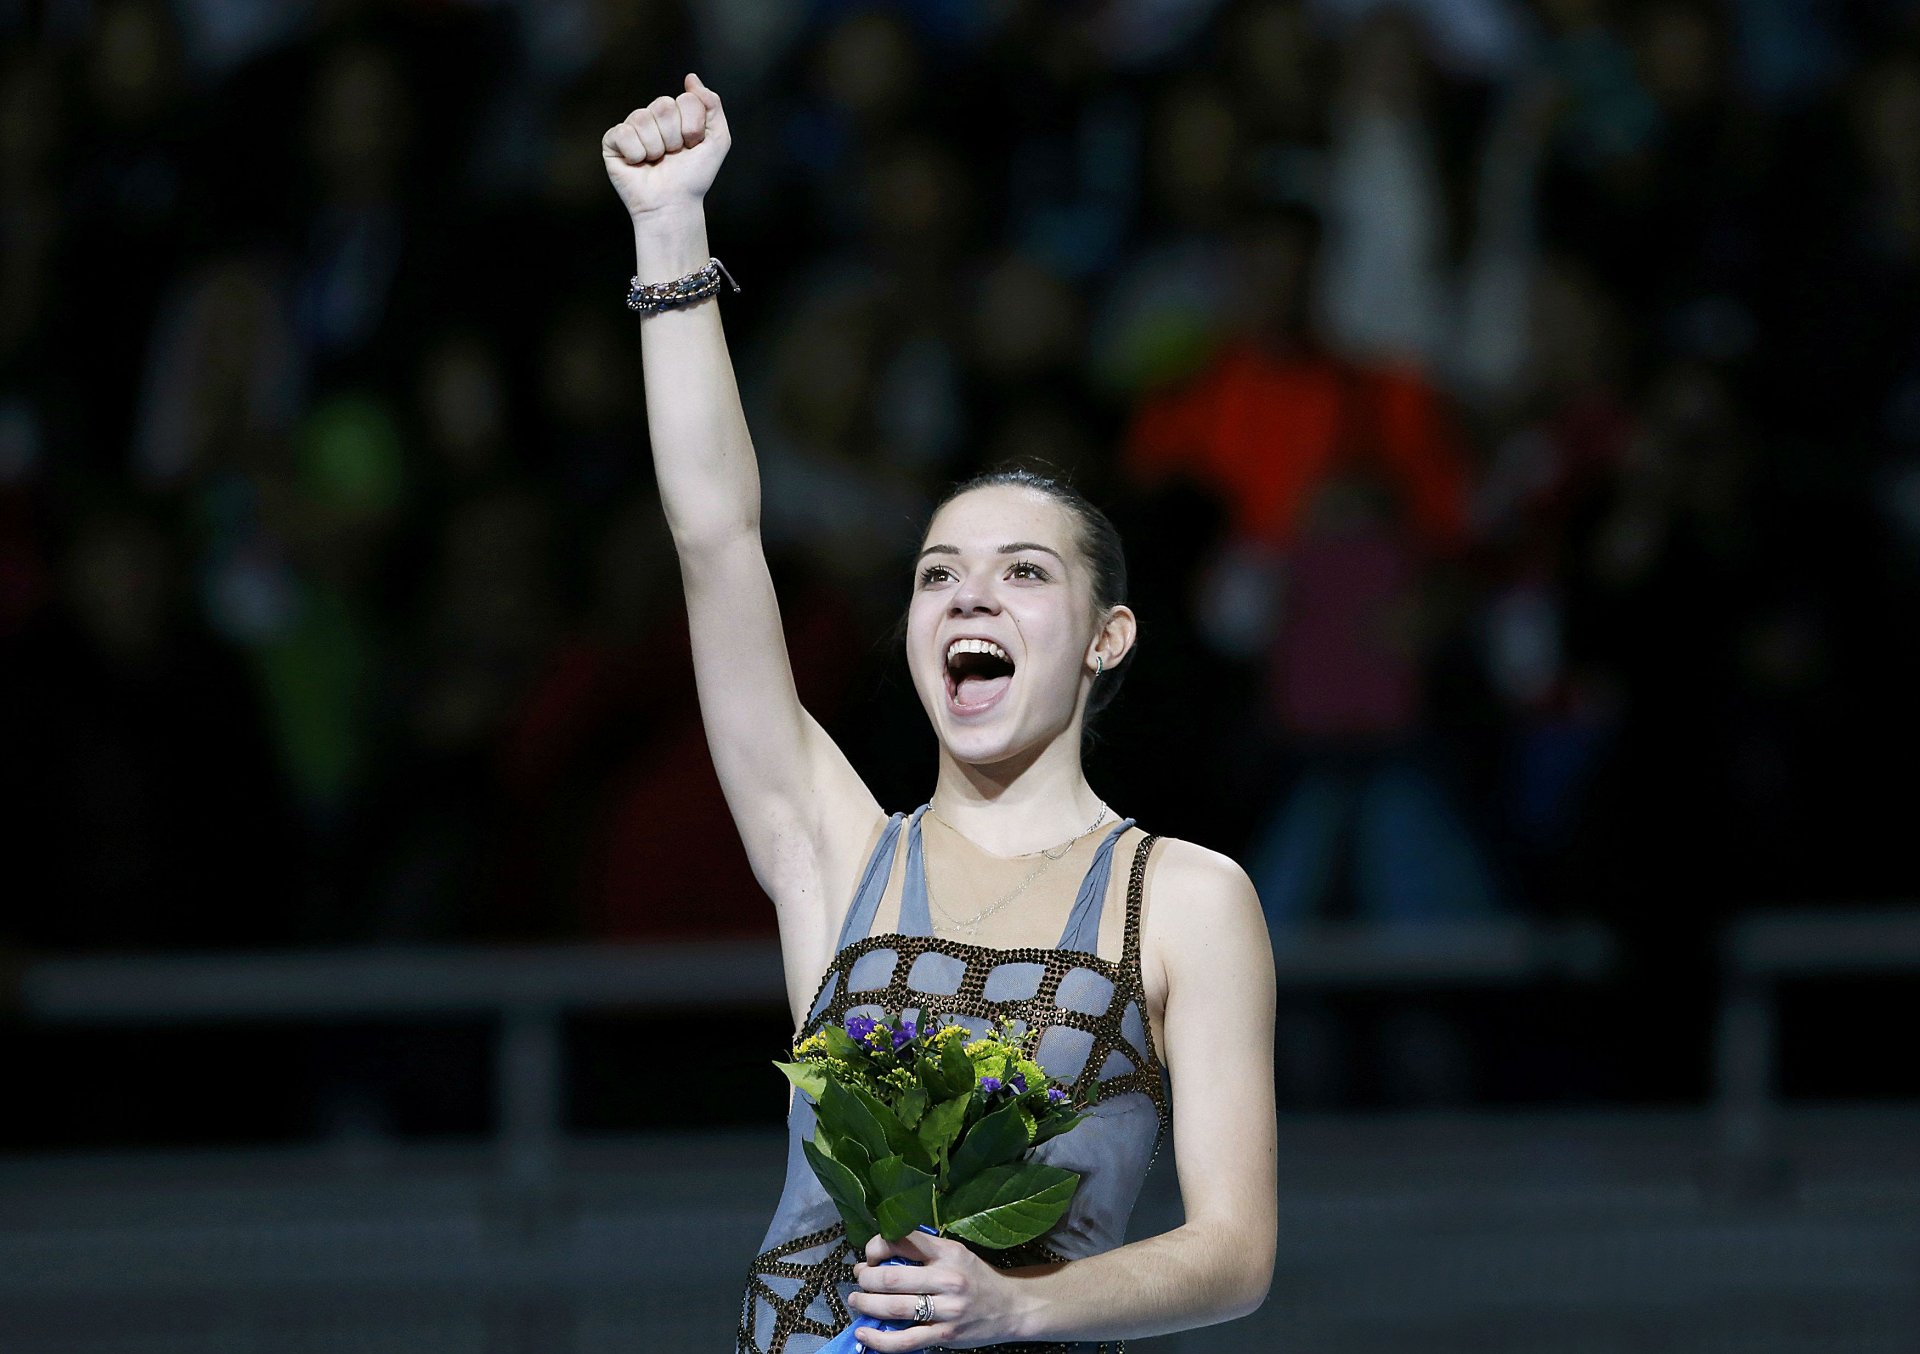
[[1092, 1016]]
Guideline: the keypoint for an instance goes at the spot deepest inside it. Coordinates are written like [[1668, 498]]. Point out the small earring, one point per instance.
[[1100, 663]]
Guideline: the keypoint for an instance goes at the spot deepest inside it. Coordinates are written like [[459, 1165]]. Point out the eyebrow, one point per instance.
[[1011, 548]]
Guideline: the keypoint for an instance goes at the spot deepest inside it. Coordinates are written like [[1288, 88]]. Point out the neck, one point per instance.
[[1028, 803]]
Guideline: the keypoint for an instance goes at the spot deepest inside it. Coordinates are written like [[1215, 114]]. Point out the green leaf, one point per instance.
[[847, 1193], [941, 1125], [843, 1150], [899, 1139], [934, 1079], [905, 1194], [848, 1115], [912, 1105], [808, 1077], [995, 1140], [957, 1075], [1053, 1126], [1007, 1205], [840, 1044]]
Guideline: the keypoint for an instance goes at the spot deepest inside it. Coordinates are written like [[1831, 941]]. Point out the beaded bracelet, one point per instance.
[[649, 297]]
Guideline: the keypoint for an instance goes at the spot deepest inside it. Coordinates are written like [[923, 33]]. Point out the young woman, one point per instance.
[[990, 901]]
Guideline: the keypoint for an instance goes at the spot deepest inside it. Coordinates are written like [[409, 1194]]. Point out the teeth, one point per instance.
[[985, 646]]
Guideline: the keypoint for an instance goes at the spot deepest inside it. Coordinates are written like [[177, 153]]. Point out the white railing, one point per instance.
[[530, 990], [1757, 953]]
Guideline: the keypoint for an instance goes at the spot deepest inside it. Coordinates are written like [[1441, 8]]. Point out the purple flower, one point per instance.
[[1055, 1095], [905, 1035], [989, 1084], [859, 1027], [1019, 1083]]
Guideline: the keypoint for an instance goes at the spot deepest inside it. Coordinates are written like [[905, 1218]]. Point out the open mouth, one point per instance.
[[978, 674]]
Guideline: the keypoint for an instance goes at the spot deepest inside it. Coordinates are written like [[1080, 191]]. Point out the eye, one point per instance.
[[933, 573], [1026, 568]]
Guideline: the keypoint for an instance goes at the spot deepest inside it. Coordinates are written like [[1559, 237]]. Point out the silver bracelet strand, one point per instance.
[[648, 298]]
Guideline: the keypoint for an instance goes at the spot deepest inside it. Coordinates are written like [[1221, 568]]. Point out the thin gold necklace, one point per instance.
[[971, 925], [1053, 853]]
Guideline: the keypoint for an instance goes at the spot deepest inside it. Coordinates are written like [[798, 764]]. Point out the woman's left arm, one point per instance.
[[1208, 944]]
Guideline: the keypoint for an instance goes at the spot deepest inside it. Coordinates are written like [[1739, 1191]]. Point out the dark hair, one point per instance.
[[1099, 545]]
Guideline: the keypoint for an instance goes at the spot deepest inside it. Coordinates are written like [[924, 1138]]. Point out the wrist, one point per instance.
[[669, 241], [1022, 1308]]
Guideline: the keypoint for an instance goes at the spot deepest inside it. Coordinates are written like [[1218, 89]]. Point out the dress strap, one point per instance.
[[915, 919], [1136, 889], [1082, 931], [873, 883]]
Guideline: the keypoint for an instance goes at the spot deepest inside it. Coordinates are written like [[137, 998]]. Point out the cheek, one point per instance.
[[919, 639], [1055, 642]]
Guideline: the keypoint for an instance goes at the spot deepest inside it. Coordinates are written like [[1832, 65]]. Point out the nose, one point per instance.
[[975, 594]]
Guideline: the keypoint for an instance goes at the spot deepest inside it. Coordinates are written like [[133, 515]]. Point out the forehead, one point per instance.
[[982, 520]]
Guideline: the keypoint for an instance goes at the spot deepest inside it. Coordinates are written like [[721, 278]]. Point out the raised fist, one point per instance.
[[667, 153]]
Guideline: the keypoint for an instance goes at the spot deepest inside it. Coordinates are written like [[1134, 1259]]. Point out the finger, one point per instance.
[[919, 1246], [905, 1279], [896, 1306], [706, 96], [642, 122], [693, 119], [913, 1337], [915, 1245], [622, 140], [667, 113]]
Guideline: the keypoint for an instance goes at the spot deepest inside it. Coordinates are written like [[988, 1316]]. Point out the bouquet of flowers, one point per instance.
[[930, 1129]]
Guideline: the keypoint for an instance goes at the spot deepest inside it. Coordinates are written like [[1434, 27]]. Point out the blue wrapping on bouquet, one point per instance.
[[847, 1341]]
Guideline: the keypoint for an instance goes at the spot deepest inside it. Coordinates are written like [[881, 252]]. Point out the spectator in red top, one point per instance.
[[1274, 414], [1345, 484]]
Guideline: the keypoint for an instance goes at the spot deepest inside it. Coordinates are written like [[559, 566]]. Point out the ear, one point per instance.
[[1114, 640]]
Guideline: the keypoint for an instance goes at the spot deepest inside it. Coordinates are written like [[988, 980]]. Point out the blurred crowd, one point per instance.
[[1512, 412]]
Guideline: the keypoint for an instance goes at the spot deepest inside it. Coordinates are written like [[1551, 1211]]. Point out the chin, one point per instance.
[[981, 747], [994, 741]]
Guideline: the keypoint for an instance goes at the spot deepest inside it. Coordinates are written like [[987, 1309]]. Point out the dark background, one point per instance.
[[1512, 413]]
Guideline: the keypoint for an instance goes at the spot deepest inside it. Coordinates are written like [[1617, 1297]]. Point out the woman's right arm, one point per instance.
[[803, 813]]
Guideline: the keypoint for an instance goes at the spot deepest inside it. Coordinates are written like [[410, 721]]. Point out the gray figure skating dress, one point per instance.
[[1093, 1016]]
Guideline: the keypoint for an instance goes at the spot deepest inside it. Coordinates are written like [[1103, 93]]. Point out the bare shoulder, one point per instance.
[[1194, 881], [1197, 900], [1202, 932]]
